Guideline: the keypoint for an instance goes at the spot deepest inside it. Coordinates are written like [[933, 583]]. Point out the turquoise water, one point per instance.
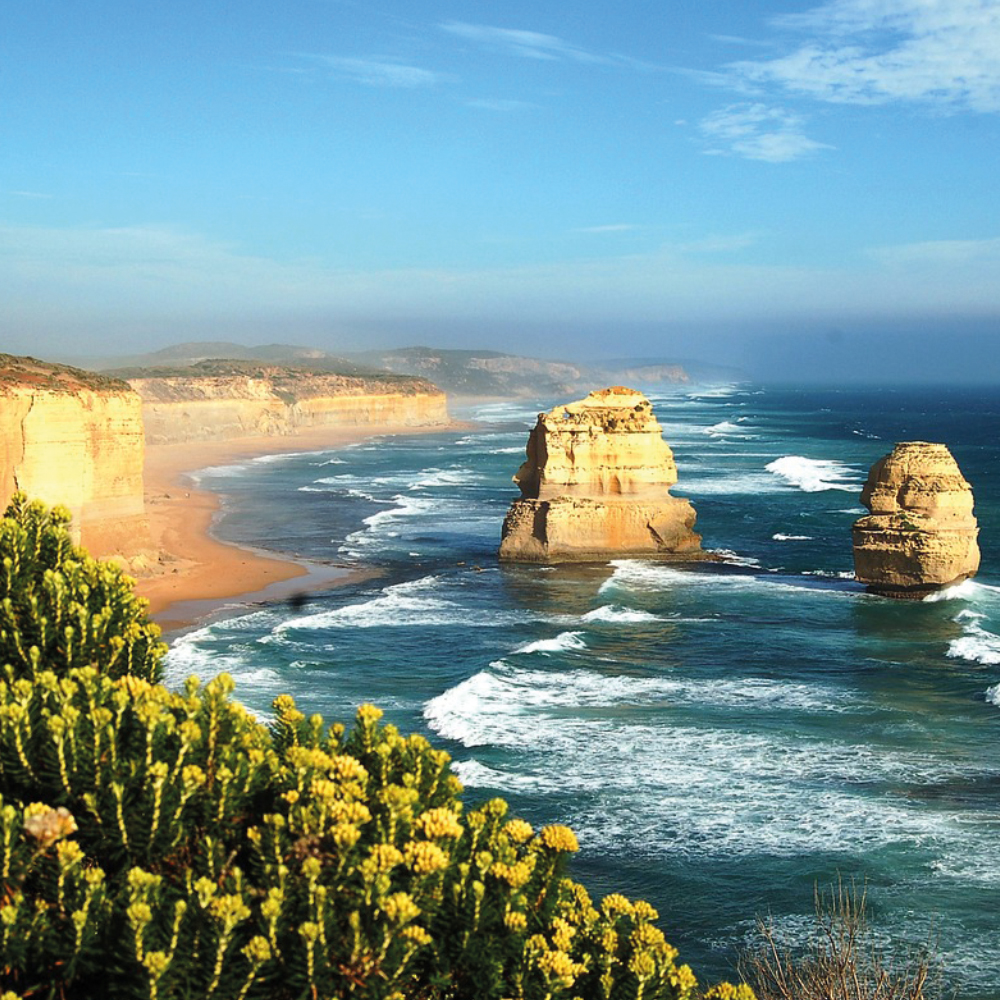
[[722, 737]]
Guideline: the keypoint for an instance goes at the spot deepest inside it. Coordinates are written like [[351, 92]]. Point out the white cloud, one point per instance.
[[529, 44], [381, 72], [757, 132], [940, 52]]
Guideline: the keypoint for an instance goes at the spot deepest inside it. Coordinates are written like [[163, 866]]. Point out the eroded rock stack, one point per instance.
[[596, 486], [921, 533]]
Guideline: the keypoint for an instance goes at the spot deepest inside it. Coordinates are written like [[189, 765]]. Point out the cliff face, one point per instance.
[[595, 486], [74, 438], [219, 400], [921, 533]]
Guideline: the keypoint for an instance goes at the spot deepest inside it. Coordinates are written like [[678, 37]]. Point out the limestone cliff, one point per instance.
[[596, 486], [215, 400], [75, 438], [921, 533]]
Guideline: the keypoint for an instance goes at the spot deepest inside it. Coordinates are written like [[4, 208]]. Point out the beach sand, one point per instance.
[[197, 573]]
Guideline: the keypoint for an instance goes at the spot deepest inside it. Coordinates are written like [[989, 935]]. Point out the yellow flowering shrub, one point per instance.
[[164, 844]]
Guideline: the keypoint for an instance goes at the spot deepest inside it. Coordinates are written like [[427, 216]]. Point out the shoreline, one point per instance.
[[197, 573]]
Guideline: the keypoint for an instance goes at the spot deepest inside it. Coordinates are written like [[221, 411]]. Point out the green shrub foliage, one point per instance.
[[164, 844], [59, 608]]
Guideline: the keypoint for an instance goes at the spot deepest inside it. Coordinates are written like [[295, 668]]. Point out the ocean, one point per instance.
[[722, 737]]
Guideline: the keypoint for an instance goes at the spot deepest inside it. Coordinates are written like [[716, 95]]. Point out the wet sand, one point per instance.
[[197, 573]]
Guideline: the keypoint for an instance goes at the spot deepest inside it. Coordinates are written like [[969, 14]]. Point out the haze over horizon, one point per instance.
[[801, 187]]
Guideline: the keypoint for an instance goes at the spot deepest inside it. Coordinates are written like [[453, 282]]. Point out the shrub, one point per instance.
[[166, 844], [59, 608], [841, 961]]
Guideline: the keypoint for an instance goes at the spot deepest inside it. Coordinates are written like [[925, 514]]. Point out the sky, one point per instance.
[[788, 186]]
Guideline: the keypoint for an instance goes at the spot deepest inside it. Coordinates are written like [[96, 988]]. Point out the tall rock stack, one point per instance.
[[596, 486], [921, 533]]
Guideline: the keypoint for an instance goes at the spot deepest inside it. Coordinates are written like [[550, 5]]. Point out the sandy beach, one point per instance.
[[197, 573]]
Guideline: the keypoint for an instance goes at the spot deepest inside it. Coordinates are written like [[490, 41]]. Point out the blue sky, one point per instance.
[[717, 180]]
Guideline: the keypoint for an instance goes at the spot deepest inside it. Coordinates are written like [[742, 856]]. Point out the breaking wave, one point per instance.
[[813, 475]]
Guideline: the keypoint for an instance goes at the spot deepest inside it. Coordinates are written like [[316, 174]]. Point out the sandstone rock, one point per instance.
[[921, 533], [220, 400], [75, 438], [595, 486]]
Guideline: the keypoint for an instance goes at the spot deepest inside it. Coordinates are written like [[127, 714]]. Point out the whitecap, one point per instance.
[[967, 590], [731, 558], [727, 429], [715, 392], [640, 576], [495, 706], [781, 537], [993, 695], [614, 614], [285, 455], [813, 475], [431, 478], [562, 643], [217, 472], [978, 645], [783, 796]]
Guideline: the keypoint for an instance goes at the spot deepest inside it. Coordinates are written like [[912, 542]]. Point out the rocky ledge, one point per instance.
[[921, 533], [596, 486]]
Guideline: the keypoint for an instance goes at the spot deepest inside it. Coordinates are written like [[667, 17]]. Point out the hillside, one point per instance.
[[457, 372]]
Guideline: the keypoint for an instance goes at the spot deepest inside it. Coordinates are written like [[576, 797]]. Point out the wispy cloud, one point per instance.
[[499, 104], [740, 40], [615, 227], [880, 51], [27, 194], [757, 132], [528, 44], [381, 72], [939, 253]]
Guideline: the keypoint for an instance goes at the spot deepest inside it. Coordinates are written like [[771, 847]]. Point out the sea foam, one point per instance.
[[613, 614], [562, 643], [978, 645], [813, 475]]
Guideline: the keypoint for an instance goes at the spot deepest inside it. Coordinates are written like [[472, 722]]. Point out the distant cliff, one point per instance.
[[491, 373], [75, 438], [213, 400]]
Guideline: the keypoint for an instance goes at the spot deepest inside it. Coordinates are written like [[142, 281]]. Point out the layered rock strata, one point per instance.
[[921, 534], [595, 486], [219, 400], [75, 438]]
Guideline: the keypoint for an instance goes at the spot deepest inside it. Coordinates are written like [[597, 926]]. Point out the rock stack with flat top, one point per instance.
[[595, 486], [921, 533]]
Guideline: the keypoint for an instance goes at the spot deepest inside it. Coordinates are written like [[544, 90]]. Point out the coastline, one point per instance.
[[198, 573]]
